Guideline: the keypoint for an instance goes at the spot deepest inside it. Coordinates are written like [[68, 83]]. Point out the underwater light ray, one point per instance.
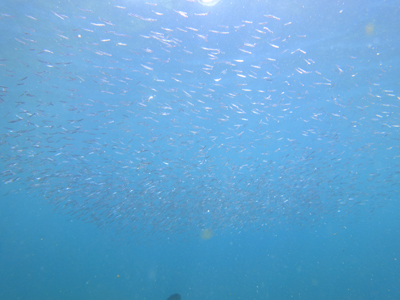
[[208, 2]]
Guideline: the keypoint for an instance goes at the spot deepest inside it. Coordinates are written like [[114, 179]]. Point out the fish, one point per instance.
[[166, 127], [174, 297]]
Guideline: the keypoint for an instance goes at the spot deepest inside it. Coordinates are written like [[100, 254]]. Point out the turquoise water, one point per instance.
[[246, 150]]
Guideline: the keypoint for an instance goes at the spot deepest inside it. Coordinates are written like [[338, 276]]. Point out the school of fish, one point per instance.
[[164, 121]]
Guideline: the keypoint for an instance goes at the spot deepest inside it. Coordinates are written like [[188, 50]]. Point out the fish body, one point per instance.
[[174, 297]]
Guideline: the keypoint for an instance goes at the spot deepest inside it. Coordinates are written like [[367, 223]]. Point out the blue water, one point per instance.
[[247, 150]]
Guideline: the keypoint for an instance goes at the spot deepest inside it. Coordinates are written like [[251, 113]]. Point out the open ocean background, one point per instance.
[[242, 151]]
